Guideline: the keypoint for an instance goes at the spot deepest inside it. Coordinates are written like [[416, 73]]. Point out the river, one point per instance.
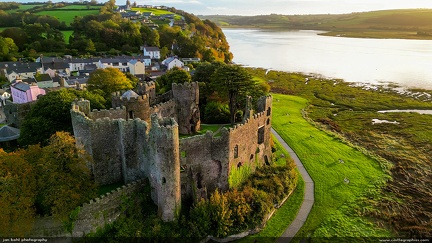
[[406, 63]]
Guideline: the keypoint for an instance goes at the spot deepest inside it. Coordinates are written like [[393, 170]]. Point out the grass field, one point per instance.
[[398, 24], [83, 7], [156, 12], [342, 174], [23, 8], [67, 16], [67, 34]]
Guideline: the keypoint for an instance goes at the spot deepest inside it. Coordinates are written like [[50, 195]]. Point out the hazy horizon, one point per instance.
[[259, 7]]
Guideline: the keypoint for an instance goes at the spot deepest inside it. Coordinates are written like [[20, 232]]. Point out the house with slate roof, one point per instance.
[[152, 51], [23, 92], [4, 95], [136, 67], [172, 62], [19, 70], [118, 62]]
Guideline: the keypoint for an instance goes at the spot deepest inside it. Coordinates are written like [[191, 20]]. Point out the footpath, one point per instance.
[[308, 198]]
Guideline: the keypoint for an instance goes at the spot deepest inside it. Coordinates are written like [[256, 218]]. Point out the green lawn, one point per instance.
[[68, 16], [83, 7], [67, 34], [342, 174], [23, 8]]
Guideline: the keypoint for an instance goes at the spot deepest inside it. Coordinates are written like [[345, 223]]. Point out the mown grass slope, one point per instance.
[[342, 174], [346, 110]]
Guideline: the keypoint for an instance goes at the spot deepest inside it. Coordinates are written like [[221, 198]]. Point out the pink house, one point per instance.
[[24, 92]]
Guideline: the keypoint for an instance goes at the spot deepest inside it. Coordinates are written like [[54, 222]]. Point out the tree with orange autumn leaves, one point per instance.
[[51, 180]]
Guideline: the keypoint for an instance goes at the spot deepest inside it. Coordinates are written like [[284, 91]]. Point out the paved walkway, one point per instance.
[[308, 199]]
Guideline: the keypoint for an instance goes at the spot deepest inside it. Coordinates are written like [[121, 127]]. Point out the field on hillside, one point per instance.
[[67, 16], [67, 34], [402, 24], [156, 12], [83, 7], [23, 8]]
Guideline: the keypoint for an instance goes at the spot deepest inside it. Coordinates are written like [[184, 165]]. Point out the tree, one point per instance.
[[64, 179], [175, 75], [51, 113], [90, 47], [108, 80], [234, 82], [18, 191], [8, 49]]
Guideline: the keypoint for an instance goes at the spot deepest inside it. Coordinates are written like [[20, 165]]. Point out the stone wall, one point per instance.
[[117, 113], [166, 109], [95, 214], [250, 141], [15, 113], [148, 88], [104, 209], [117, 146], [204, 161], [136, 107]]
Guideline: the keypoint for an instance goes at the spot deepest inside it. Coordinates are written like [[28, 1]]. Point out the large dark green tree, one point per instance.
[[235, 83], [51, 113]]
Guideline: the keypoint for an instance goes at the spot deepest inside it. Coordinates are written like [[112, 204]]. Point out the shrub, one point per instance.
[[216, 112]]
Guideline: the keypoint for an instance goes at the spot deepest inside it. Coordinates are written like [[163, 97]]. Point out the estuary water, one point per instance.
[[406, 63]]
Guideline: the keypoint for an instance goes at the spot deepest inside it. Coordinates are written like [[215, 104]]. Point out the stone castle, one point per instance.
[[140, 139]]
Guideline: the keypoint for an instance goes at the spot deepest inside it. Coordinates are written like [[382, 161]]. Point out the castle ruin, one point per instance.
[[140, 139]]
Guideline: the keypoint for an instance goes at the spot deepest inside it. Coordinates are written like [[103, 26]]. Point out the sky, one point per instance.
[[258, 7]]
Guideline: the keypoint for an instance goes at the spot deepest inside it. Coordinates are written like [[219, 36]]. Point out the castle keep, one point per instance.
[[140, 139]]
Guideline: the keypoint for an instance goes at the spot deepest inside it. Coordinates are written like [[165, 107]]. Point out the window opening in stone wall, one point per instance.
[[251, 156], [266, 160], [268, 111], [183, 154], [163, 180], [268, 121], [199, 180], [239, 164], [236, 152], [261, 135], [131, 115]]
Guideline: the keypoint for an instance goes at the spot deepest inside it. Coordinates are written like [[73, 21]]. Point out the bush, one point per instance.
[[216, 112]]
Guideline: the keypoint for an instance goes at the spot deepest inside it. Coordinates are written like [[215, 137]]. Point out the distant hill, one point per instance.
[[403, 23]]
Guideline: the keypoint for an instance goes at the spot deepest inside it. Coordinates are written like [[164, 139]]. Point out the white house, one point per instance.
[[147, 61], [172, 62], [119, 63], [136, 67], [3, 97], [152, 51]]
